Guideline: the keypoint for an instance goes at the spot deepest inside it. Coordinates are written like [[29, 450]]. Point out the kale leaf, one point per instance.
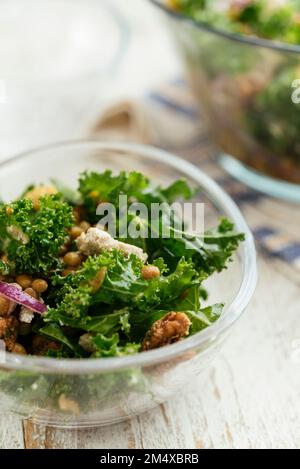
[[111, 347], [110, 278], [209, 252], [55, 332], [4, 268], [204, 317], [96, 298], [163, 292], [96, 188], [32, 239]]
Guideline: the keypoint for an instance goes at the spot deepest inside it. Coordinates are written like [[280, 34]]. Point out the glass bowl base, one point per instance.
[[262, 183]]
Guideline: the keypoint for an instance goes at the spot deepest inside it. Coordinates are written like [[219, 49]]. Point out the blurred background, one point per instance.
[[63, 61]]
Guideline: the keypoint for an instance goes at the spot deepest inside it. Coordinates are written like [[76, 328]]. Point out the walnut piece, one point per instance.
[[171, 328], [9, 331], [94, 241]]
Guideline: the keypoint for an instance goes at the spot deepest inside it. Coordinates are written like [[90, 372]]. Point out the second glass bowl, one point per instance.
[[248, 89]]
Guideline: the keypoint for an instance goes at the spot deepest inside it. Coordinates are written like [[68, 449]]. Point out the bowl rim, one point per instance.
[[252, 40], [153, 357]]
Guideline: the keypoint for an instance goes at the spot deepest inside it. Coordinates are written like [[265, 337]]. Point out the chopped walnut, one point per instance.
[[95, 241], [9, 331], [171, 328]]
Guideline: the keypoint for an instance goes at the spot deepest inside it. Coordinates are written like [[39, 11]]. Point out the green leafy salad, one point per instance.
[[68, 288], [270, 19]]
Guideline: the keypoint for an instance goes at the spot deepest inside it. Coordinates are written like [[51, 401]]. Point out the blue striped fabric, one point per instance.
[[188, 111], [278, 245]]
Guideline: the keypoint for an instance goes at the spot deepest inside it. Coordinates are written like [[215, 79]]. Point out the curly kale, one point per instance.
[[32, 239], [4, 268], [209, 252], [96, 188], [125, 304], [111, 346], [106, 305]]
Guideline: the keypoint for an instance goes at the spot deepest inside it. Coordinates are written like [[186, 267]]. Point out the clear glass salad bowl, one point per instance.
[[248, 90], [94, 392]]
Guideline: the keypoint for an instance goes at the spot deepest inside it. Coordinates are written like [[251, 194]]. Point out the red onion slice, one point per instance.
[[12, 293]]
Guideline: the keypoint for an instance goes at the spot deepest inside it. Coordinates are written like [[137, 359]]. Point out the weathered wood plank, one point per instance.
[[113, 437], [34, 435], [11, 434], [252, 393]]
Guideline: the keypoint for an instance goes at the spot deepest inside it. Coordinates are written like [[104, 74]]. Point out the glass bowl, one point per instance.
[[249, 90], [95, 392], [58, 59]]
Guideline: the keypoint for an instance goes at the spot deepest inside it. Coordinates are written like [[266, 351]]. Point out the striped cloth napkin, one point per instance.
[[169, 118]]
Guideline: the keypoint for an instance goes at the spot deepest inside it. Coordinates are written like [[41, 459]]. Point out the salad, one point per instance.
[[69, 289], [270, 19], [249, 92]]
